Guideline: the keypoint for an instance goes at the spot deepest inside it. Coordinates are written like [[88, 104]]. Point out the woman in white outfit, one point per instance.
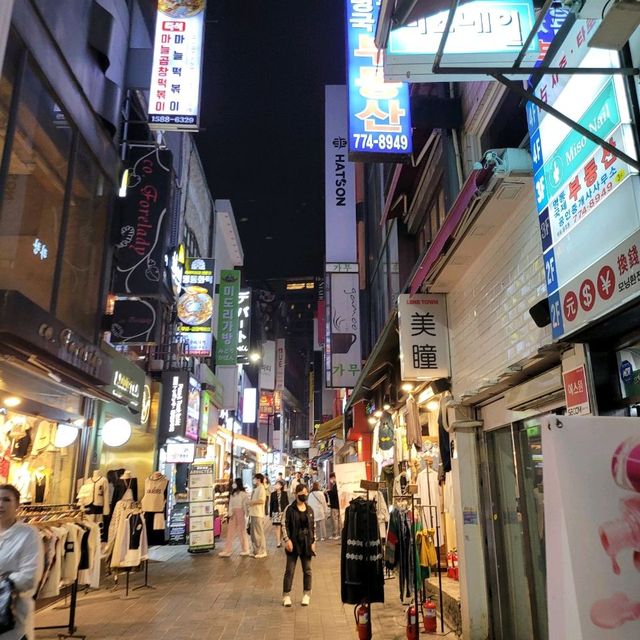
[[237, 527], [318, 503], [21, 560]]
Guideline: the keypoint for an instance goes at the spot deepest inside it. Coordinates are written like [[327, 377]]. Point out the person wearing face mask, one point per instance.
[[256, 514], [238, 510], [277, 504], [299, 536], [21, 560]]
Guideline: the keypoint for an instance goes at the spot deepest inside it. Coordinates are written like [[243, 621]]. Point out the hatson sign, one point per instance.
[[174, 95]]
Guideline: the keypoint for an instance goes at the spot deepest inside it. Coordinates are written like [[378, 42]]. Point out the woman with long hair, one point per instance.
[[21, 560], [318, 502], [238, 511], [277, 504]]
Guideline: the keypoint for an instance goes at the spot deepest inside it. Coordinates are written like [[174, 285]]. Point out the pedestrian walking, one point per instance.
[[267, 488], [334, 505], [237, 528], [21, 561], [293, 485], [299, 535], [256, 516], [277, 504], [321, 511]]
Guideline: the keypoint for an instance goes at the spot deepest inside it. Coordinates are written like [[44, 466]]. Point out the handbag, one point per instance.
[[8, 596]]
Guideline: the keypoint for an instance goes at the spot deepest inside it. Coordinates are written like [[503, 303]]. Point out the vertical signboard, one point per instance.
[[340, 180], [280, 363], [424, 337], [227, 337], [141, 249], [268, 368], [587, 206], [195, 306], [135, 321], [244, 325], [343, 356], [173, 416], [174, 94], [379, 111], [192, 423], [201, 515]]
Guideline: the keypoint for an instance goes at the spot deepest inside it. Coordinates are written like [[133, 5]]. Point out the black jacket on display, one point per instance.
[[121, 488], [361, 571]]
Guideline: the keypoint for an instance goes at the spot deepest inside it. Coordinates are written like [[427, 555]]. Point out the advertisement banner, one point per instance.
[[227, 336], [280, 363], [244, 325], [576, 392], [343, 356], [379, 111], [201, 512], [192, 424], [173, 413], [424, 337], [348, 477], [174, 94], [195, 306], [143, 243], [591, 505], [268, 367], [339, 180], [582, 191], [135, 322]]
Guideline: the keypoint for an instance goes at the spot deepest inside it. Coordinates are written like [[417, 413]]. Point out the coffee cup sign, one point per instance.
[[342, 342]]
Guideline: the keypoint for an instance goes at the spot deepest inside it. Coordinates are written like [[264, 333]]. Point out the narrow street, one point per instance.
[[210, 598]]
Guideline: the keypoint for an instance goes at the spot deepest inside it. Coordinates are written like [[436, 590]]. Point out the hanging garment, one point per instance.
[[414, 429], [361, 568], [400, 550], [429, 494], [155, 494], [21, 444], [91, 575], [130, 547], [51, 587], [382, 512], [125, 489]]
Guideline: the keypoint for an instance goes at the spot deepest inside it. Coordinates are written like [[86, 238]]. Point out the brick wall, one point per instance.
[[490, 325]]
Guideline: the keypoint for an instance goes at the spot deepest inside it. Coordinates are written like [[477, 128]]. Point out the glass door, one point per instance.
[[508, 575]]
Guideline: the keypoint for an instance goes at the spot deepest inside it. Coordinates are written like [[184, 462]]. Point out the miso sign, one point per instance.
[[174, 94], [227, 338], [424, 337]]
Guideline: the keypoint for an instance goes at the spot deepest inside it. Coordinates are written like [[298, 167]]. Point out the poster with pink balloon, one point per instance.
[[592, 487]]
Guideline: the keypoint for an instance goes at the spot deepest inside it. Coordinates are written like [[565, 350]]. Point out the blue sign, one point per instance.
[[379, 111], [626, 372]]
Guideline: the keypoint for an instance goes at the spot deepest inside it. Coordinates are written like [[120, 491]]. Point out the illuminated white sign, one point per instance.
[[249, 405], [174, 95], [40, 249]]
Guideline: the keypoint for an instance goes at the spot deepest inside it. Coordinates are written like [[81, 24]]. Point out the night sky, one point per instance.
[[266, 64]]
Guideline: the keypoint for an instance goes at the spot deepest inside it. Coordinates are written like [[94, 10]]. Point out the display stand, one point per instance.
[[146, 584], [440, 599], [57, 514]]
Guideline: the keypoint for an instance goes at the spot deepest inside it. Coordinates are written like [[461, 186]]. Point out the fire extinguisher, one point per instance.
[[429, 616], [449, 564], [412, 622], [361, 614], [456, 570]]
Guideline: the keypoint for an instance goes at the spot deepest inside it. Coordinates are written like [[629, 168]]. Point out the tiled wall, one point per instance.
[[490, 325]]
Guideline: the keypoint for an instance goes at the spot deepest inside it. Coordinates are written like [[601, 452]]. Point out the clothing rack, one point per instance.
[[48, 514], [412, 489]]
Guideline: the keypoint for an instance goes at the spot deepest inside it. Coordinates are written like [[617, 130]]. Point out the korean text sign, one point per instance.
[[343, 358], [227, 337], [195, 306], [587, 206], [424, 337], [379, 112], [244, 325], [174, 95]]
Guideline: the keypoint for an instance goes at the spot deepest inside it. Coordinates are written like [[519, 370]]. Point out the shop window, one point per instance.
[[34, 192], [82, 257]]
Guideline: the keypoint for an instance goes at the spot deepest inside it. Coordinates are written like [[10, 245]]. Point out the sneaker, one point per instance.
[[260, 555], [286, 601], [321, 539], [306, 598], [245, 553], [224, 554], [278, 545]]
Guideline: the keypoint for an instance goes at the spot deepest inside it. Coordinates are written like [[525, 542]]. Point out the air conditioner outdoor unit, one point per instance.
[[509, 161]]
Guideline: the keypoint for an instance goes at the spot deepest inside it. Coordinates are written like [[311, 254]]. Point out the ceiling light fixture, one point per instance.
[[12, 401]]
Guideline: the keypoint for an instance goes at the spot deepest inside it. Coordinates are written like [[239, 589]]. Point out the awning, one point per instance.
[[329, 429], [476, 180]]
